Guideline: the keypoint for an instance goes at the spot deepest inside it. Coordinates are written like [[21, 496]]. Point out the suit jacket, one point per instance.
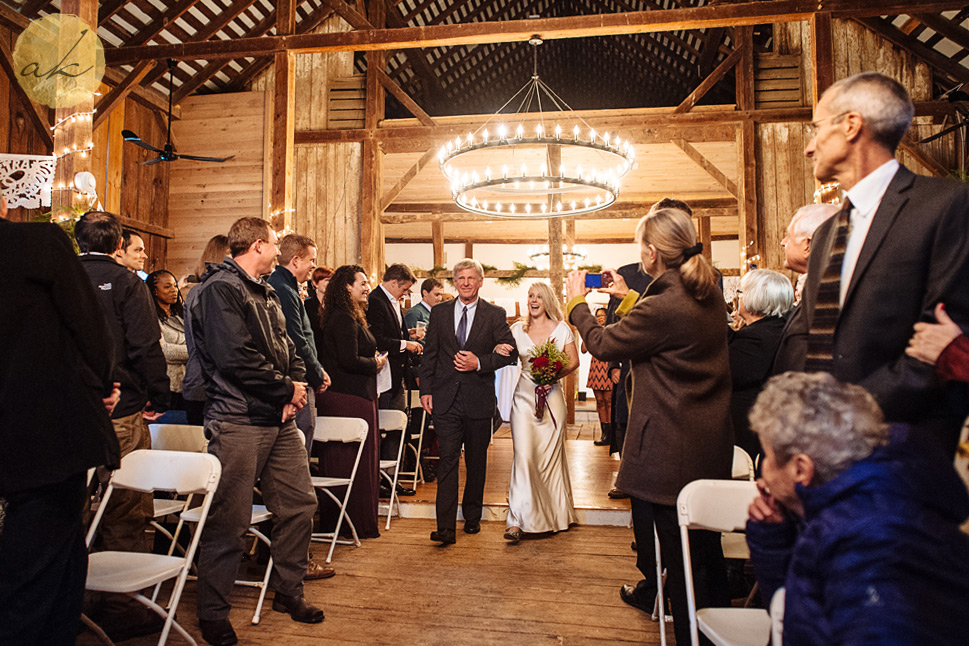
[[792, 348], [679, 423], [751, 350], [56, 364], [916, 254], [348, 354], [388, 334], [438, 374]]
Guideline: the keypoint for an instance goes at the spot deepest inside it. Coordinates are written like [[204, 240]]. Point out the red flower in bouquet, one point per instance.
[[546, 363]]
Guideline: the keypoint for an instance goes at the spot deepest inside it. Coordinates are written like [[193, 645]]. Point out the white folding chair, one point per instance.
[[743, 465], [339, 429], [417, 474], [777, 617], [130, 572], [393, 420], [720, 506], [174, 437]]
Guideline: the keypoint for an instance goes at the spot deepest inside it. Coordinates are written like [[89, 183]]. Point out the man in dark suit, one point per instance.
[[883, 262], [458, 388], [56, 370]]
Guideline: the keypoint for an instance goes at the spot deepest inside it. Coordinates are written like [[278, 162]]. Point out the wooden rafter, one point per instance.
[[404, 98], [925, 159], [391, 195], [31, 8], [348, 13], [107, 9], [707, 84], [751, 12], [118, 93], [708, 166], [146, 96], [160, 22], [954, 32]]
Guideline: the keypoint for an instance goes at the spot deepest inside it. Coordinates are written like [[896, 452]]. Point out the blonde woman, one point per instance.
[[540, 494]]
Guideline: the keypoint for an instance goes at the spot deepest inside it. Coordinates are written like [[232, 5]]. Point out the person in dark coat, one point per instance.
[[860, 526], [314, 304], [679, 425], [55, 370], [766, 297], [350, 355]]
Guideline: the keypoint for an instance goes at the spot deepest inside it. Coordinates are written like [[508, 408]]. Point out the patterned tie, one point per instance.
[[827, 307], [463, 326]]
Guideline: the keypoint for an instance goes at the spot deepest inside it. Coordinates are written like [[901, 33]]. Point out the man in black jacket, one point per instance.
[[236, 332], [139, 367], [56, 366]]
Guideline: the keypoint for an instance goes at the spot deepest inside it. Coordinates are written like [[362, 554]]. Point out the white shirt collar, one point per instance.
[[426, 306], [867, 194], [388, 294], [470, 305]]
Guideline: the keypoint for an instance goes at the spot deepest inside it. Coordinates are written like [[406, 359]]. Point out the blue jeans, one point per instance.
[[275, 457]]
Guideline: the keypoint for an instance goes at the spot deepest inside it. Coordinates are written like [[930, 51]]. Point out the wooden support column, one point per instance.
[[571, 384], [745, 68], [747, 199], [822, 54], [76, 135], [284, 122], [706, 239], [371, 229], [469, 250], [437, 240]]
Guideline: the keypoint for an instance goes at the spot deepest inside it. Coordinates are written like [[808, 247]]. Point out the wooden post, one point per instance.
[[371, 234], [284, 122], [572, 381], [705, 238], [745, 68], [469, 250], [437, 240], [822, 54], [73, 135], [747, 200]]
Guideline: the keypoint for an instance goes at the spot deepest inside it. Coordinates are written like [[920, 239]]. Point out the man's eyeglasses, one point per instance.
[[814, 126]]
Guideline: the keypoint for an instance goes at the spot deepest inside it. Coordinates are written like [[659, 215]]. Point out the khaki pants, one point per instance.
[[128, 512]]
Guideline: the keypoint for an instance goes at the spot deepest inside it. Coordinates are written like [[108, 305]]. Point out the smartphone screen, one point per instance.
[[593, 280]]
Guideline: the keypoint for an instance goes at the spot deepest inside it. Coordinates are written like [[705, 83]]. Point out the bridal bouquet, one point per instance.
[[546, 363]]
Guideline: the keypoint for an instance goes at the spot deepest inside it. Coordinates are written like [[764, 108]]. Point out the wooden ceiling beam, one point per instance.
[[348, 13], [146, 96], [107, 9], [404, 98], [117, 95], [707, 84], [539, 241], [750, 12], [388, 197], [709, 167], [31, 8], [13, 20], [160, 22], [954, 32]]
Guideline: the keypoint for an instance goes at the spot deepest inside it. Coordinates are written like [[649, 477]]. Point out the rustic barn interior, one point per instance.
[[333, 113]]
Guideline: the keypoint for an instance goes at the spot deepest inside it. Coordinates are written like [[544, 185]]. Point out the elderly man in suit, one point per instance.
[[458, 388], [882, 263]]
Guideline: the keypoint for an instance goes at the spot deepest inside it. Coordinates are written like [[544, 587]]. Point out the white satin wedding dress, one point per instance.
[[540, 494]]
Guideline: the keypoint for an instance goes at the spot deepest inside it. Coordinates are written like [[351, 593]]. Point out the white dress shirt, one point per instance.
[[395, 305], [458, 309], [865, 196]]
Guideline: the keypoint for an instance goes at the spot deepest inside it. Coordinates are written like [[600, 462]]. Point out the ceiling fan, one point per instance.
[[168, 153]]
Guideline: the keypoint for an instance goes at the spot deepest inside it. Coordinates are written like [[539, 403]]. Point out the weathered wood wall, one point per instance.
[[18, 135], [205, 198], [326, 183], [785, 180]]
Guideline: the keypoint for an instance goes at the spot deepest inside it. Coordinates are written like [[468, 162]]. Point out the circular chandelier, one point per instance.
[[570, 257], [534, 169]]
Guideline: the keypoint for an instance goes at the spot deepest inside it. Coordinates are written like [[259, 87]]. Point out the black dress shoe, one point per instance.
[[405, 491], [615, 494], [443, 536], [472, 528], [602, 442], [218, 632], [638, 597], [298, 608]]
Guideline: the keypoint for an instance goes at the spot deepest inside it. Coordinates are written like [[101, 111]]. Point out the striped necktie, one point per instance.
[[827, 306], [462, 332]]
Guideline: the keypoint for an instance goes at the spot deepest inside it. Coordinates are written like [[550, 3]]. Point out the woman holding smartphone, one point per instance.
[[351, 359], [679, 425]]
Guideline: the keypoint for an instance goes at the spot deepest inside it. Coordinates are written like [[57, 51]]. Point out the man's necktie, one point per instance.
[[827, 307], [463, 327]]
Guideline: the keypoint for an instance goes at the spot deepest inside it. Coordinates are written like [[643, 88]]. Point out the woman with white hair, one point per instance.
[[765, 297], [540, 493]]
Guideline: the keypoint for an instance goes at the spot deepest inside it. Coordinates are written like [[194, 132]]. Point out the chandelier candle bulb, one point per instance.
[[484, 135], [558, 131], [575, 132]]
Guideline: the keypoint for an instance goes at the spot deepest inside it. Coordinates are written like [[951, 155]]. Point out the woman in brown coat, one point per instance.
[[679, 425]]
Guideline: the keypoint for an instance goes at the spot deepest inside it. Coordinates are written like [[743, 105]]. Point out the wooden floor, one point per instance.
[[403, 589]]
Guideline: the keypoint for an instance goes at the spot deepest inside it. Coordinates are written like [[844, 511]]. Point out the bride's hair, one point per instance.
[[552, 307]]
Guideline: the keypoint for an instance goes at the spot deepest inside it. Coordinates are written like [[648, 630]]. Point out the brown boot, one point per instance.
[[316, 570]]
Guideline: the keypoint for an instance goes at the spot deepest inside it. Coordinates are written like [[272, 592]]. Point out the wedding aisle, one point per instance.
[[402, 589]]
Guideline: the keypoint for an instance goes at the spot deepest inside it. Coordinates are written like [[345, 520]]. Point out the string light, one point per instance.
[[75, 149], [73, 118]]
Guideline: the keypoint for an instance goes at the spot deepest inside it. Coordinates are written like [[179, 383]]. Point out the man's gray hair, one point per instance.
[[766, 292], [468, 263], [808, 218], [882, 102], [835, 424]]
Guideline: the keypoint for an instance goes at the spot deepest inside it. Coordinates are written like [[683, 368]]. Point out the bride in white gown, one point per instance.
[[540, 494]]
